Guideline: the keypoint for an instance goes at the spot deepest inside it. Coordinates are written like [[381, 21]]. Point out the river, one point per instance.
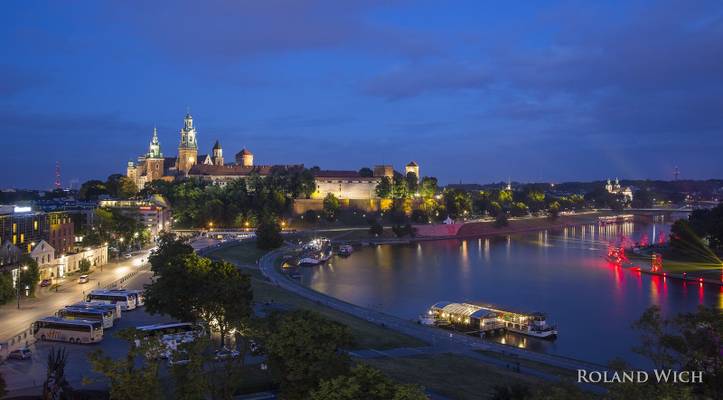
[[562, 273]]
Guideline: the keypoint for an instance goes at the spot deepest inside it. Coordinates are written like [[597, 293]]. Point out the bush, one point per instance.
[[501, 221], [268, 234], [84, 265]]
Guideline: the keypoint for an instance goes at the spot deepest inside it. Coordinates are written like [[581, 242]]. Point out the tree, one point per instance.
[[501, 220], [189, 379], [331, 207], [30, 276], [84, 266], [366, 172], [304, 348], [364, 382], [685, 244], [495, 209], [7, 291], [55, 385], [134, 377], [268, 234], [519, 209], [642, 199], [400, 190], [384, 188], [412, 181], [535, 200], [428, 187], [90, 190], [457, 202], [376, 228], [553, 210], [654, 338]]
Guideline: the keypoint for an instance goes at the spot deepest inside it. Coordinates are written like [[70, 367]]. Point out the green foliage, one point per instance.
[[384, 188], [412, 182], [535, 200], [134, 377], [428, 187], [642, 199], [7, 291], [331, 207], [190, 380], [375, 228], [457, 202], [84, 265], [504, 197], [188, 287], [30, 276], [364, 382], [400, 190], [511, 392], [304, 348], [519, 209], [403, 230], [553, 210], [501, 220], [690, 341], [708, 224], [268, 234], [90, 190], [121, 187], [686, 244]]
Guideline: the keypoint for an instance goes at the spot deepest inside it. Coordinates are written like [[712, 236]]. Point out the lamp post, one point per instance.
[[17, 284]]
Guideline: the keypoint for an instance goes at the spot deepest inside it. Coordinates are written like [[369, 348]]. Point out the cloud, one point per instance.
[[415, 80]]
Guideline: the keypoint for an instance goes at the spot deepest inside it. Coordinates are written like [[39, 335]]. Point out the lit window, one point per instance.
[[15, 227], [15, 239], [22, 238], [35, 225]]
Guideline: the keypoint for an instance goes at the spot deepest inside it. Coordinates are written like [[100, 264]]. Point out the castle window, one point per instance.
[[35, 225], [15, 227]]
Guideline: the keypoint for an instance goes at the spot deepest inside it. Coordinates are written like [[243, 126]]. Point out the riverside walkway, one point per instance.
[[440, 341]]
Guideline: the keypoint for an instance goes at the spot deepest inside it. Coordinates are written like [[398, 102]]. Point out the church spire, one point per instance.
[[154, 150]]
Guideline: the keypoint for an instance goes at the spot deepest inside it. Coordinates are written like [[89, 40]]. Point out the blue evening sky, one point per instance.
[[474, 91]]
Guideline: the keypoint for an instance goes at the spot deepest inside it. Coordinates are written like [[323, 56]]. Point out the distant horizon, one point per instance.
[[471, 91]]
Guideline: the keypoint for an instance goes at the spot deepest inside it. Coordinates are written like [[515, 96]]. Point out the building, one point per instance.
[[153, 213], [153, 165], [615, 188], [22, 227], [61, 232]]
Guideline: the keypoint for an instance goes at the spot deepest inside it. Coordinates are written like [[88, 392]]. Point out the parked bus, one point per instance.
[[137, 294], [114, 308], [90, 314], [65, 330], [126, 300]]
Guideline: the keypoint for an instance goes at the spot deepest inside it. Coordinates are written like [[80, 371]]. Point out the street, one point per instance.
[[47, 301]]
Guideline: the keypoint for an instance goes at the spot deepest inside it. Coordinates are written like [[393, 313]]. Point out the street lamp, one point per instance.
[[17, 284]]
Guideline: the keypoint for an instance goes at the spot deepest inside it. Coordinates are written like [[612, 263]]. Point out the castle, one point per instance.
[[615, 188], [346, 185]]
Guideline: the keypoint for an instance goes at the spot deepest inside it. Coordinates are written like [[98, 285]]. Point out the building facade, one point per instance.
[[154, 213]]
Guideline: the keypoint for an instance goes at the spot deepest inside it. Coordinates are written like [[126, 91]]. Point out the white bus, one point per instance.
[[137, 294], [71, 331], [90, 314], [114, 308], [126, 300]]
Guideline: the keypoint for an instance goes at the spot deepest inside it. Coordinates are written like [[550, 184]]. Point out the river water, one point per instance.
[[562, 273]]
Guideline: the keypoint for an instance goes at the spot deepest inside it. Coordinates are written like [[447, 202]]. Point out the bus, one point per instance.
[[137, 294], [90, 314], [172, 328], [65, 330], [114, 308], [126, 300]]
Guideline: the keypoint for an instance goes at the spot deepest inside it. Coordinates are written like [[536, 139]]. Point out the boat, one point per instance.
[[316, 252], [487, 319], [616, 255], [345, 250]]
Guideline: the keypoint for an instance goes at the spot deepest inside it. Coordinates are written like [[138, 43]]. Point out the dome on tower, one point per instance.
[[217, 146], [412, 164], [244, 152]]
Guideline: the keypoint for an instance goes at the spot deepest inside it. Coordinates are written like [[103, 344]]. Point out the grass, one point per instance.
[[245, 253], [454, 376], [366, 335], [512, 359]]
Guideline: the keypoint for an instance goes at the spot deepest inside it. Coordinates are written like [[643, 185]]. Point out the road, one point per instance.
[[440, 340], [46, 301]]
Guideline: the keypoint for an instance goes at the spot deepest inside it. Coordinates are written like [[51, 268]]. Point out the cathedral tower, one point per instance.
[[412, 167], [245, 158], [154, 159], [187, 149], [217, 154]]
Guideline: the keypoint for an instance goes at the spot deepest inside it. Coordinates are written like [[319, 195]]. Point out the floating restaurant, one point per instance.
[[488, 320]]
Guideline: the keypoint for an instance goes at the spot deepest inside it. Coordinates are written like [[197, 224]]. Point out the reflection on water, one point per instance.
[[559, 272]]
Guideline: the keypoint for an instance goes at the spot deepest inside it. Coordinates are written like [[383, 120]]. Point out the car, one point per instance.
[[225, 354], [45, 282], [20, 354], [83, 279]]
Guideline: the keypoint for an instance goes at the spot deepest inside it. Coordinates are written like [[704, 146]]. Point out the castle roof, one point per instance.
[[238, 170], [217, 146], [244, 152], [340, 174], [412, 164]]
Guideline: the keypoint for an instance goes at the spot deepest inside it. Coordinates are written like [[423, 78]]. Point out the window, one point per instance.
[[22, 238], [15, 227], [15, 239], [35, 225]]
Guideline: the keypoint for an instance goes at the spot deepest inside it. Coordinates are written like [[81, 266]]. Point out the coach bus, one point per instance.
[[90, 314], [126, 300], [66, 330]]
